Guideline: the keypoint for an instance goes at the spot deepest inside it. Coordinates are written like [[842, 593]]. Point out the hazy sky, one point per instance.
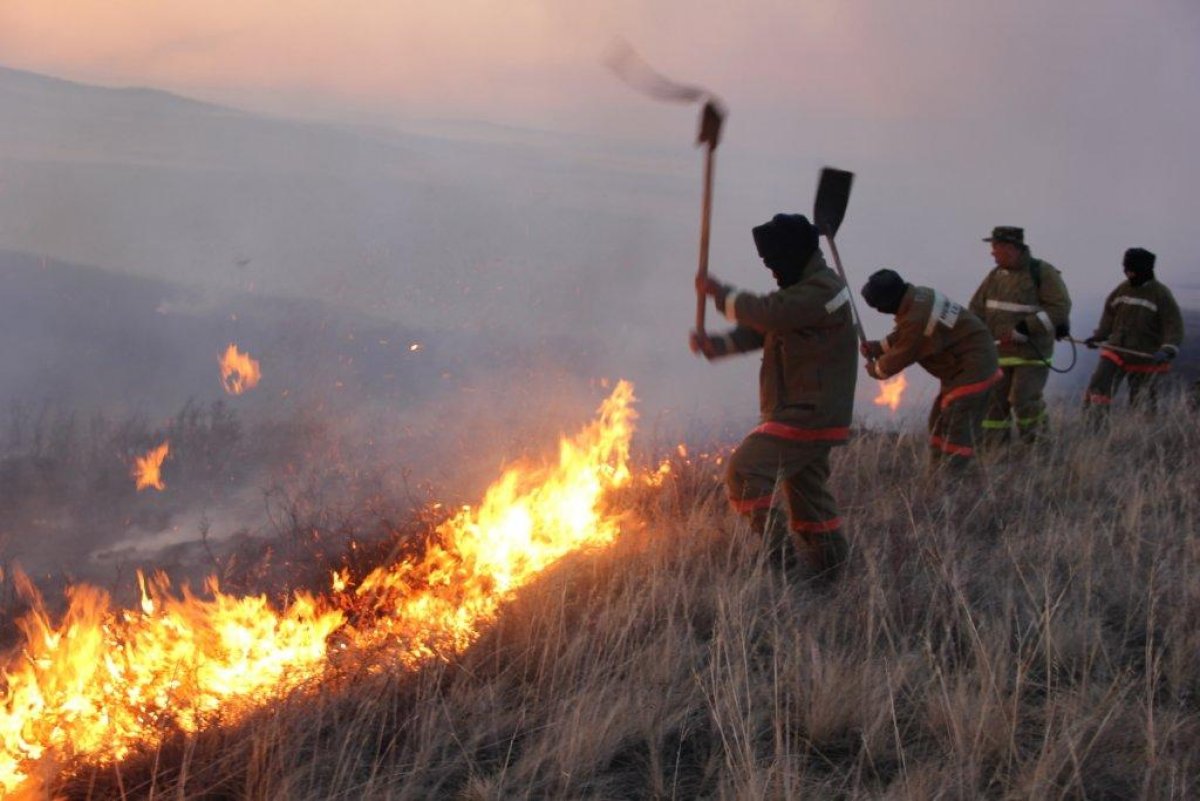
[[1078, 119]]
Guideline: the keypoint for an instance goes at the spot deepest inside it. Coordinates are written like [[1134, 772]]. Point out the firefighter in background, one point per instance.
[[1141, 314], [806, 389], [1024, 303], [950, 343]]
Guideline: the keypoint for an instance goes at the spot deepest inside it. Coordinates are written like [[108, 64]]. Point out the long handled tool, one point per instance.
[[630, 67], [1114, 348], [710, 133], [829, 209]]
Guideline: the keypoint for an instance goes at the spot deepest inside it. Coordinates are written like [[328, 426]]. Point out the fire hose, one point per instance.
[[1047, 360]]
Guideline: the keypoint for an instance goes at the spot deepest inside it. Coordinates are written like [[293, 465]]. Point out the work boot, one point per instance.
[[777, 545], [824, 555]]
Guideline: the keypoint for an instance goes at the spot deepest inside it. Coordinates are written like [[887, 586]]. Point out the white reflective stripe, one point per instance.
[[1046, 322], [731, 305], [942, 311], [1149, 304], [838, 301], [1001, 305]]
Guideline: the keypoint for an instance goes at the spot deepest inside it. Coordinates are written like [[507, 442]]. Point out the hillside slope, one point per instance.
[[1028, 633]]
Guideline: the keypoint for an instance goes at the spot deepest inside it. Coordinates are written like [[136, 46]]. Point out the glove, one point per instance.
[[1023, 329], [1094, 342], [701, 345], [871, 349], [1062, 331], [873, 370], [1163, 356], [715, 289]]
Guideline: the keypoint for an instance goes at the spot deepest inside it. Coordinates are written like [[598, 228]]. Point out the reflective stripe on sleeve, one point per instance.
[[1017, 361], [995, 424], [1044, 319], [730, 308], [1028, 422], [838, 301], [1002, 305], [1132, 301]]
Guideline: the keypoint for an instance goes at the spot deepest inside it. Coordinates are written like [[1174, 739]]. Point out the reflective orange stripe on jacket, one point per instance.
[[1105, 353], [972, 389], [783, 431]]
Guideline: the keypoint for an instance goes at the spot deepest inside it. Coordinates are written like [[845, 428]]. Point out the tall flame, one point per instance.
[[147, 470], [102, 683], [239, 372], [891, 391]]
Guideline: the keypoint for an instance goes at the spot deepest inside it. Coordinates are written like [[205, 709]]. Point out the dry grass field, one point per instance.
[[1029, 632]]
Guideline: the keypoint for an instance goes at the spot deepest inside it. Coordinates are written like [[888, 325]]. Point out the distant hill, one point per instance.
[[90, 338]]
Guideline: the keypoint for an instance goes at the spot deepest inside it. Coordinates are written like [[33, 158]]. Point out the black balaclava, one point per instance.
[[786, 243], [1139, 266], [884, 290]]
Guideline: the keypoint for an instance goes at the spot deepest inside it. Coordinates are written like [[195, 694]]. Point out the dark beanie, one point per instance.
[[884, 290], [1139, 261], [788, 240]]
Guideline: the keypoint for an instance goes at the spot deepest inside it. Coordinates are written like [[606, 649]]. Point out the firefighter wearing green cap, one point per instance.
[[806, 389], [1139, 315], [952, 344], [1025, 304]]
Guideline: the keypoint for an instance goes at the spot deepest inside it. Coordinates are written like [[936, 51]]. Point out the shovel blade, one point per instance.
[[711, 118], [833, 195]]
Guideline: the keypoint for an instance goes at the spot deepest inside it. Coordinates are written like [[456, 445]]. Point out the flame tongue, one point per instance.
[[527, 521], [891, 391], [239, 372], [147, 470], [103, 683]]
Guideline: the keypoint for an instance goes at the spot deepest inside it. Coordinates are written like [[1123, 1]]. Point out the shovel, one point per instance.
[[829, 209]]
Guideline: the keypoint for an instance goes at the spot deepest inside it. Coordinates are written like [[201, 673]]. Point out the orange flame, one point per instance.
[[102, 683], [147, 469], [891, 391], [239, 372]]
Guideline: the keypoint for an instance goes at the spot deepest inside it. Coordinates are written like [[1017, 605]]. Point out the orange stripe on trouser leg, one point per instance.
[[945, 446], [809, 527], [745, 505]]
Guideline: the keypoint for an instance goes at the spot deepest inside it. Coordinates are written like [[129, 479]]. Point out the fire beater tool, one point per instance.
[[1114, 348], [829, 209], [630, 67]]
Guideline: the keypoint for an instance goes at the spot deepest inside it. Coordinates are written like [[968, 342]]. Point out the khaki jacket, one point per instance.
[[810, 355], [1144, 318], [950, 342], [1006, 297]]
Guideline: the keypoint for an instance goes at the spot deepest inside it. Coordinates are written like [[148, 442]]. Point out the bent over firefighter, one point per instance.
[[952, 344]]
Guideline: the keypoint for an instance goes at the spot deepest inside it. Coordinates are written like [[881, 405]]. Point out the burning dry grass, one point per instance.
[[1027, 633]]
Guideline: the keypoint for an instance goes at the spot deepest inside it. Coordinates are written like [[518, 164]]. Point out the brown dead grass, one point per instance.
[[1027, 633]]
